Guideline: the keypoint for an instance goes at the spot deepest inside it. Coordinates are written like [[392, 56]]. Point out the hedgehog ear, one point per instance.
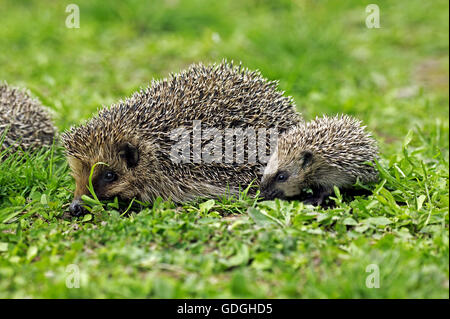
[[129, 153], [306, 158]]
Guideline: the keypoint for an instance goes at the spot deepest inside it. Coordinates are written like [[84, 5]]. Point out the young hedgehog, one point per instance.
[[27, 123], [318, 155], [134, 137]]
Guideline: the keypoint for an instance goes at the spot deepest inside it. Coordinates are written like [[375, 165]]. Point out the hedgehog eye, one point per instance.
[[281, 177], [109, 176]]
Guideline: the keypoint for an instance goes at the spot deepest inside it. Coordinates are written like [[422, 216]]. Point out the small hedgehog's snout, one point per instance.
[[266, 196], [269, 193], [76, 208]]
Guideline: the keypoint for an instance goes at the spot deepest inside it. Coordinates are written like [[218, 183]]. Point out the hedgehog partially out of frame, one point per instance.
[[134, 136], [318, 155], [24, 123]]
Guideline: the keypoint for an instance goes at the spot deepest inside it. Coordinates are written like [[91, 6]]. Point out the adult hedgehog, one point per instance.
[[318, 155], [24, 123], [138, 138]]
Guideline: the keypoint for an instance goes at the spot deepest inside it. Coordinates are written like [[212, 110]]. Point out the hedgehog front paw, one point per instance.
[[315, 201], [317, 198]]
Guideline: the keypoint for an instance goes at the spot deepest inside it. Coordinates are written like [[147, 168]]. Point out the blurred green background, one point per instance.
[[321, 52], [394, 78]]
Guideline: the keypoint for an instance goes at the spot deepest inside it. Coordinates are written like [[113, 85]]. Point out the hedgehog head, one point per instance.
[[313, 157], [116, 146], [288, 174]]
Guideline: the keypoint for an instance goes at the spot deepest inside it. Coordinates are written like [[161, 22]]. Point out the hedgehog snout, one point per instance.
[[76, 208], [270, 193]]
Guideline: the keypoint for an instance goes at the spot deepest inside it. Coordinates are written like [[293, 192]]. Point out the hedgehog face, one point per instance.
[[117, 178], [287, 176]]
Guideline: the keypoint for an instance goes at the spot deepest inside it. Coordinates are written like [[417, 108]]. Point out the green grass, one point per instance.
[[394, 78]]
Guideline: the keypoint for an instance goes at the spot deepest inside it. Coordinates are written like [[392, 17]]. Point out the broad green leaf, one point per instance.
[[87, 218], [3, 246], [378, 221], [240, 258], [31, 252], [349, 221], [262, 219], [420, 201], [206, 206]]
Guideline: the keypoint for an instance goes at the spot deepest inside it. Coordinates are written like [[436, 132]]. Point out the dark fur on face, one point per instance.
[[301, 178], [117, 178]]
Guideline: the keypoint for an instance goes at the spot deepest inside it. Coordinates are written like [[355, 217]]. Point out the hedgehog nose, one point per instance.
[[76, 209], [271, 194], [266, 194]]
